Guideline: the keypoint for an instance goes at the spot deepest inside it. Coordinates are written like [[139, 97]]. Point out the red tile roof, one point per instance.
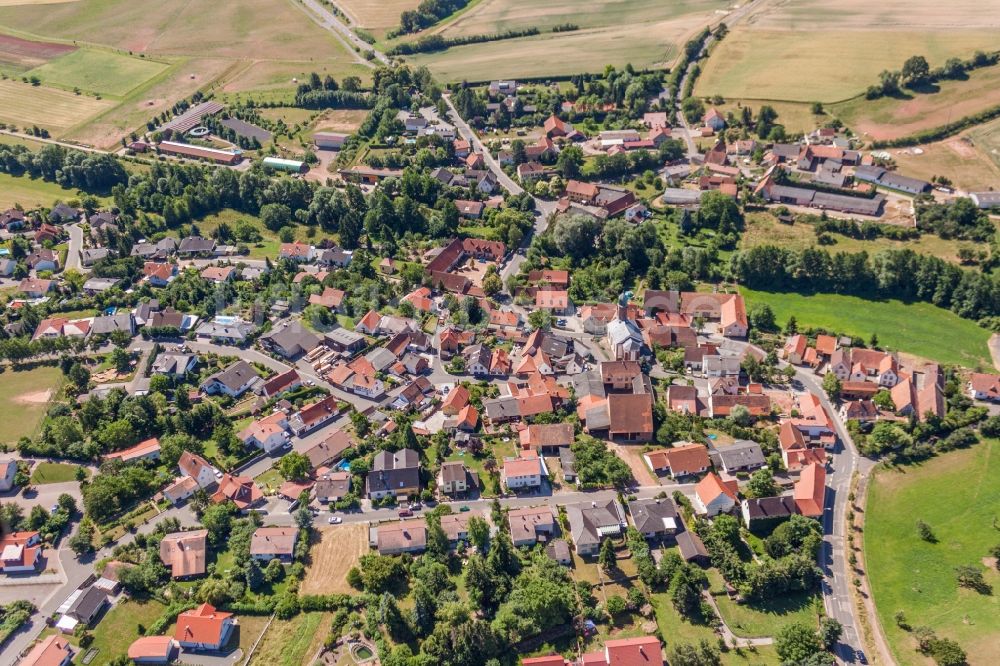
[[810, 491], [201, 625]]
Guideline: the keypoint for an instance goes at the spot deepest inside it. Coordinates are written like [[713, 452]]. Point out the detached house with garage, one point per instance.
[[984, 386], [204, 628], [394, 474], [713, 496]]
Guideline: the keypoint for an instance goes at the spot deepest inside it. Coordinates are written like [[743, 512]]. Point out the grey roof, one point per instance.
[[168, 363], [588, 383], [590, 521], [985, 199], [834, 179], [654, 515], [100, 284], [391, 471], [109, 324], [558, 550], [92, 254], [505, 407], [236, 331], [380, 358], [88, 605], [677, 195], [786, 150], [742, 453], [194, 244], [691, 546], [567, 460], [235, 376], [246, 129], [293, 338], [344, 337], [335, 255], [764, 508], [624, 332]]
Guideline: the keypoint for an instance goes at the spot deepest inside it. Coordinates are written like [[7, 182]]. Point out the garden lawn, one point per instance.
[[46, 472], [676, 629], [24, 399], [32, 193], [292, 642], [958, 495], [121, 626], [920, 329], [757, 620]]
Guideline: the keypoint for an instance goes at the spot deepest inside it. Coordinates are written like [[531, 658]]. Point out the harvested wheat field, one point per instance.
[[816, 50], [340, 547], [21, 54]]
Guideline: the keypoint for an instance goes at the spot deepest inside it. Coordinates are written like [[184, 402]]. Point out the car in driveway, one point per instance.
[[335, 520]]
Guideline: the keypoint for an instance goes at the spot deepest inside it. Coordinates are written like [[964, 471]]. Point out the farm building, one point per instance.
[[985, 199], [329, 140], [229, 157], [192, 117], [280, 164]]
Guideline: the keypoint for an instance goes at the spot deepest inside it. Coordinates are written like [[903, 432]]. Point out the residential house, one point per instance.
[[405, 536], [53, 650], [35, 287], [8, 471], [218, 274], [159, 274], [810, 491], [684, 459], [453, 478], [193, 246], [655, 518], [555, 301], [767, 511], [267, 434], [195, 467], [547, 437], [291, 340], [296, 251], [269, 543], [314, 415], [153, 650], [20, 552], [525, 471], [714, 119], [741, 456], [332, 487], [234, 381], [713, 496], [984, 386], [281, 383], [393, 474], [229, 330], [692, 549], [146, 450], [641, 651], [59, 327], [240, 490], [88, 606], [330, 449], [530, 525], [204, 628], [184, 553], [590, 522]]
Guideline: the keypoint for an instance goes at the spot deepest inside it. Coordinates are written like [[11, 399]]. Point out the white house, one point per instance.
[[268, 433], [525, 471], [712, 496]]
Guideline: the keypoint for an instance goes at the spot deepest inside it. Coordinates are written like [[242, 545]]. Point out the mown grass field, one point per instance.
[[958, 158], [251, 45], [56, 110], [31, 193], [103, 72], [920, 329], [957, 494], [764, 229], [986, 138], [890, 117], [615, 32], [46, 472], [376, 16], [292, 642], [757, 620], [24, 399], [815, 50]]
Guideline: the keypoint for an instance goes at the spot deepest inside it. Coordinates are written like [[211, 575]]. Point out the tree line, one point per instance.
[[902, 274]]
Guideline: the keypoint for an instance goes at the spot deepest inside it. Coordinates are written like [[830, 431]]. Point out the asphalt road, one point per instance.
[[327, 19], [75, 247]]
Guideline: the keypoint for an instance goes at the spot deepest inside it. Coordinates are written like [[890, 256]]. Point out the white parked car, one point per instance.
[[335, 520]]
